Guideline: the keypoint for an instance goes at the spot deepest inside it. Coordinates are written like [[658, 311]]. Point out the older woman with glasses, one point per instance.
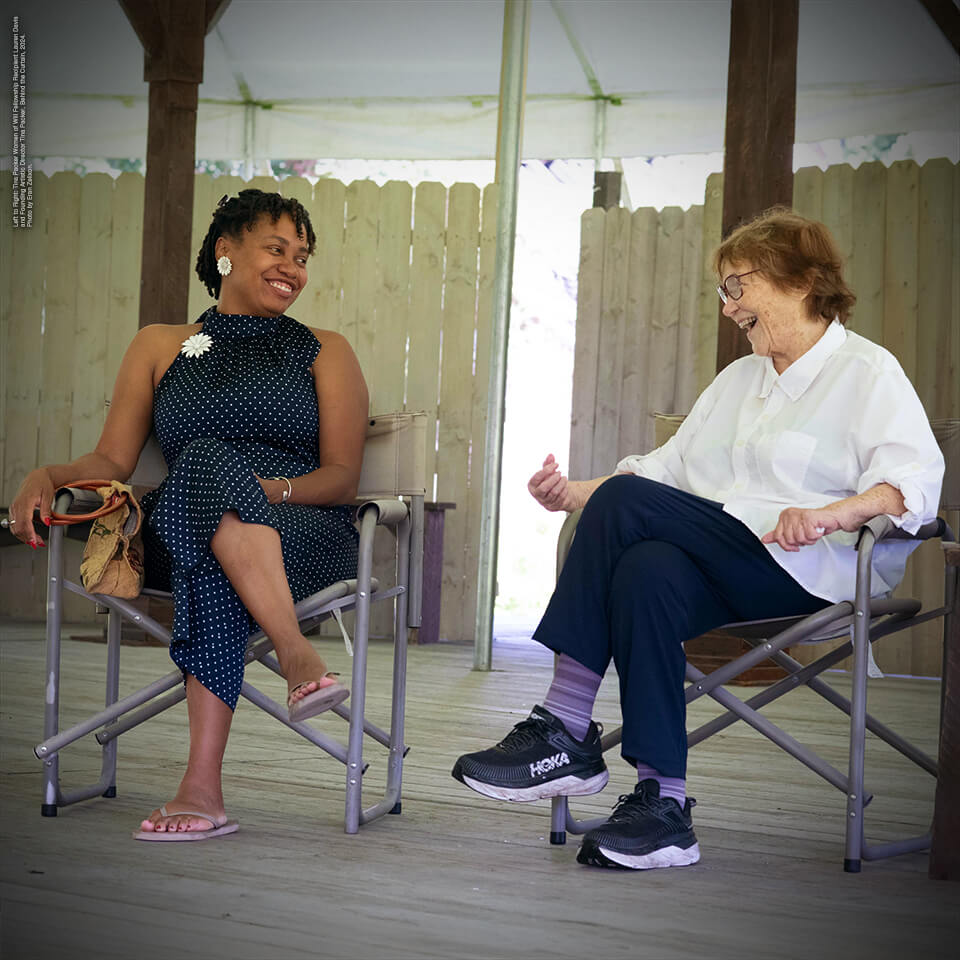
[[750, 511]]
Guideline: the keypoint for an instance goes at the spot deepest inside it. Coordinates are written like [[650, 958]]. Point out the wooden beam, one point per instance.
[[172, 33], [761, 118], [947, 17]]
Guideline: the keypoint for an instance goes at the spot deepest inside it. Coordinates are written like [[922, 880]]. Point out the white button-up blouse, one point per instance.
[[839, 420]]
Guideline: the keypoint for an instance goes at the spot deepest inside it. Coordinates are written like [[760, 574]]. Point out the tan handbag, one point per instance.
[[113, 556]]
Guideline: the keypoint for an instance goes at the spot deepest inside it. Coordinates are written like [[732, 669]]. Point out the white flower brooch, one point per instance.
[[196, 345]]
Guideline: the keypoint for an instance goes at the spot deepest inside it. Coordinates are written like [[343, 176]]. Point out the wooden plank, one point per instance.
[[952, 387], [90, 387], [808, 192], [685, 388], [323, 299], [60, 304], [867, 257], [936, 262], [360, 274], [478, 414], [901, 274], [616, 263], [837, 208], [636, 426], [587, 343], [900, 264], [456, 398], [392, 296], [20, 567], [710, 317], [426, 297], [935, 259], [123, 306], [666, 312], [6, 297], [206, 193], [389, 359]]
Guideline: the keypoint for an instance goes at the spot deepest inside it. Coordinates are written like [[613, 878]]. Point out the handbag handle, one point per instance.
[[114, 502]]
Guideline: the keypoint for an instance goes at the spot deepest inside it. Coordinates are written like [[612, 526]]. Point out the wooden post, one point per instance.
[[945, 847], [761, 116], [606, 188], [172, 33]]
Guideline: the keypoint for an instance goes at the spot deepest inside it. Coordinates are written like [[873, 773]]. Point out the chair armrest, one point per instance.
[[389, 512], [883, 528]]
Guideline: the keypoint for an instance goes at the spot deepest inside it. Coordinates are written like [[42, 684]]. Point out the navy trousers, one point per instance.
[[651, 567]]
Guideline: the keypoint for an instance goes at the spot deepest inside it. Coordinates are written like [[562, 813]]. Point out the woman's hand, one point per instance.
[[798, 527], [274, 489], [550, 488], [35, 493]]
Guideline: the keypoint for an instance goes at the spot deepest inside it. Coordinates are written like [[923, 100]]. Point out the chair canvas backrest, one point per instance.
[[947, 433], [394, 458]]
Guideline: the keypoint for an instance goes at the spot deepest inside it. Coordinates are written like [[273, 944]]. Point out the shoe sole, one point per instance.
[[596, 856], [561, 787]]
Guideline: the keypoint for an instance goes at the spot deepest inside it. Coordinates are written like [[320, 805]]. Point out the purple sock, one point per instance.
[[571, 695], [675, 787]]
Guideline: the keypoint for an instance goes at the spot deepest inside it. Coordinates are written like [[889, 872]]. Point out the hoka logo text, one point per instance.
[[548, 763]]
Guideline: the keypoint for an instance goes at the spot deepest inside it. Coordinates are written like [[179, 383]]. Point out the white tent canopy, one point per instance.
[[418, 79]]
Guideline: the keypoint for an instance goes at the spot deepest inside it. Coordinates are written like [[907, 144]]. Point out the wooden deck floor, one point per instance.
[[455, 875]]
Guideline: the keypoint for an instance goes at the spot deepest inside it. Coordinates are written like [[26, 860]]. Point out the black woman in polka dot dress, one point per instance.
[[261, 421]]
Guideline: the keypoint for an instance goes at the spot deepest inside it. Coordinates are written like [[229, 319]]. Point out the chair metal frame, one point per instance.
[[864, 621], [394, 467]]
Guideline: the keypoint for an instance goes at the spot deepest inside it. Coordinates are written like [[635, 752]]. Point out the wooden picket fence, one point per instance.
[[404, 273], [647, 318]]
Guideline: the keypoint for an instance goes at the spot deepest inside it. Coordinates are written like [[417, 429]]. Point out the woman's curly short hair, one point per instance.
[[792, 252], [234, 214]]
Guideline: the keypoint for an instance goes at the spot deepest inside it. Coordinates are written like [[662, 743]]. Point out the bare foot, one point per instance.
[[306, 672], [195, 800]]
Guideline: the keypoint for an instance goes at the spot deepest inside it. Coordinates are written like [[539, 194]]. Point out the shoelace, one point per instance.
[[525, 734], [633, 806]]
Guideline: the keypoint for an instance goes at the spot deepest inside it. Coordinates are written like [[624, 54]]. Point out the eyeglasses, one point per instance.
[[732, 288]]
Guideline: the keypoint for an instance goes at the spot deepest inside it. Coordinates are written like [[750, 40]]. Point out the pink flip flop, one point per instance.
[[219, 827], [325, 698]]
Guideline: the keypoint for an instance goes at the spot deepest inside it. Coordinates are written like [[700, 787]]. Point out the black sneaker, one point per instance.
[[645, 830], [537, 759]]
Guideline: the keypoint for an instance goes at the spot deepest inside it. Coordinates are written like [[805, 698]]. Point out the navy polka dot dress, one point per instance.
[[245, 406]]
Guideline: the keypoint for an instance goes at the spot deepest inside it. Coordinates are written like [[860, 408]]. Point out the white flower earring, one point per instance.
[[224, 266]]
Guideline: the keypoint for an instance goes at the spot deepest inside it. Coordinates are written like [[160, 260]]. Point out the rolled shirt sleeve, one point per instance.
[[897, 446]]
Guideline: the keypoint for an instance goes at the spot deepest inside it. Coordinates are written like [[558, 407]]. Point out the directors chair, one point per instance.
[[392, 487], [863, 621]]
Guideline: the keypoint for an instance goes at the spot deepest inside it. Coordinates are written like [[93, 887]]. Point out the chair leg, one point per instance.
[[51, 710], [108, 765], [399, 689], [853, 847], [353, 799], [558, 821]]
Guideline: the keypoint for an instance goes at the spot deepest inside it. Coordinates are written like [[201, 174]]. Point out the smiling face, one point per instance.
[[269, 268], [775, 321]]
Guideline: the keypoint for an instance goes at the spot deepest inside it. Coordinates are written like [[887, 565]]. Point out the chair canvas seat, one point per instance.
[[393, 473]]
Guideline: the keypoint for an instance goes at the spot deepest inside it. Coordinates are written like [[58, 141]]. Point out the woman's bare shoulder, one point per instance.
[[330, 340], [162, 336]]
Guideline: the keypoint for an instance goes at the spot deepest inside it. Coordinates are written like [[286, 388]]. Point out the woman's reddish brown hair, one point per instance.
[[793, 253]]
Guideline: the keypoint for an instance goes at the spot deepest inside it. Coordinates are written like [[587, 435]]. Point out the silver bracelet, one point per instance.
[[288, 491]]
